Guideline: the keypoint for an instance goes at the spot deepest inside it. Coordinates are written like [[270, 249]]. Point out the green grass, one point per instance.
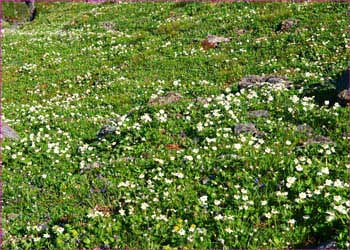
[[65, 76]]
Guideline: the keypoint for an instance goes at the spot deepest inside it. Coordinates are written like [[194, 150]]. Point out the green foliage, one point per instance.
[[173, 175]]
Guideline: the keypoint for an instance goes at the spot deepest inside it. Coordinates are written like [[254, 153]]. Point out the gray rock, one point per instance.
[[328, 245], [305, 129], [278, 79], [8, 132], [258, 113], [319, 139], [249, 81], [288, 24], [170, 97], [106, 130], [245, 128], [254, 80]]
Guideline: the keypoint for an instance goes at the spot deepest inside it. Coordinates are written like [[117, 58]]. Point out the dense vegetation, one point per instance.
[[180, 174]]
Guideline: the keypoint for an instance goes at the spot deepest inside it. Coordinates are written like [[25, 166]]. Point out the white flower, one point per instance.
[[288, 142], [144, 206], [291, 221], [302, 195], [217, 202], [178, 175], [341, 209], [199, 127], [203, 199], [290, 181], [294, 99], [182, 231], [44, 176], [263, 203], [325, 170], [188, 158], [46, 235], [337, 198], [299, 168], [338, 183], [146, 118], [218, 217], [228, 230], [237, 146], [122, 212], [58, 229], [328, 182]]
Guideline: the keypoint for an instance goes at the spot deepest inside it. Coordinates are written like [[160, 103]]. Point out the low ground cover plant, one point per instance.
[[132, 134]]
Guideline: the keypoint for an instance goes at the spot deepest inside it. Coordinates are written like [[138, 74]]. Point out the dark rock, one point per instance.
[[288, 24], [344, 97], [319, 139], [106, 130], [245, 128], [258, 113], [170, 97], [213, 41], [8, 132], [305, 129]]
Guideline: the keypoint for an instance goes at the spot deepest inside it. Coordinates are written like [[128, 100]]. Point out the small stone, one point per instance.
[[288, 24], [106, 130], [245, 128], [305, 129], [319, 139], [258, 113], [109, 26], [241, 32], [8, 132], [170, 97], [213, 41]]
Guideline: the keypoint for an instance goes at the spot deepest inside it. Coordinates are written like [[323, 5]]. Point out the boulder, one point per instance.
[[170, 97], [254, 80]]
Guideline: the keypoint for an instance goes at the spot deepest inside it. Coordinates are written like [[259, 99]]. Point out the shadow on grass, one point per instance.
[[328, 91]]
